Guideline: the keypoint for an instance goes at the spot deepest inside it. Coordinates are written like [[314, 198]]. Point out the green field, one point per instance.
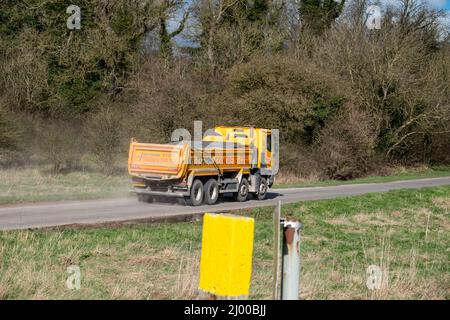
[[405, 232], [21, 185]]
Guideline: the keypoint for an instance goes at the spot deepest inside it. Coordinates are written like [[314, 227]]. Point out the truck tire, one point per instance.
[[197, 193], [262, 189], [211, 191], [242, 193]]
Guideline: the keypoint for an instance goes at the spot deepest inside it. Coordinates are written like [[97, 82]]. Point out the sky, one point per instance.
[[440, 4], [444, 5]]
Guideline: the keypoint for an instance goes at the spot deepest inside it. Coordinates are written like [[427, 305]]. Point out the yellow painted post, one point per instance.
[[226, 258]]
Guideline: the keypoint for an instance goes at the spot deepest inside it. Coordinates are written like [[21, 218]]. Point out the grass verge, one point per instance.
[[33, 185], [404, 232]]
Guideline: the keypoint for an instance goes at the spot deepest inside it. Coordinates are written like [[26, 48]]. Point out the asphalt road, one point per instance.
[[129, 209]]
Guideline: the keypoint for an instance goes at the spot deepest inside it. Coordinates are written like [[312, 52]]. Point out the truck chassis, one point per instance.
[[205, 186]]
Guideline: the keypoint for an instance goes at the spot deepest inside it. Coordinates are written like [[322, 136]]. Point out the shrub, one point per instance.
[[298, 162], [9, 133], [281, 93], [346, 146], [10, 138], [60, 146], [103, 132]]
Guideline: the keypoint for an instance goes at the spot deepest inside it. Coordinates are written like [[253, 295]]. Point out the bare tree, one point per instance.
[[167, 10]]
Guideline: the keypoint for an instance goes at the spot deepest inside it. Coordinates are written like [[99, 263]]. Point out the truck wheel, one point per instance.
[[263, 187], [197, 193], [211, 191], [242, 193]]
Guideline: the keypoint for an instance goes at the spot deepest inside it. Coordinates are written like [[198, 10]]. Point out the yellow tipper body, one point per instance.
[[158, 159], [237, 161], [226, 258], [169, 161]]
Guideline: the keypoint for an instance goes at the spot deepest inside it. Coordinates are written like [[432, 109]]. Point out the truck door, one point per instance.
[[264, 149], [268, 149]]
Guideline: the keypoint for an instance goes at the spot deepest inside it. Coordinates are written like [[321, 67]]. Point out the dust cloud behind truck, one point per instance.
[[241, 161]]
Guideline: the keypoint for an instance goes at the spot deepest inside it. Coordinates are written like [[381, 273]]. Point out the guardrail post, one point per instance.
[[291, 260]]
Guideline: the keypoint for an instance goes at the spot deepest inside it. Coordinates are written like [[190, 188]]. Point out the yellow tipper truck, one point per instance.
[[237, 160]]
